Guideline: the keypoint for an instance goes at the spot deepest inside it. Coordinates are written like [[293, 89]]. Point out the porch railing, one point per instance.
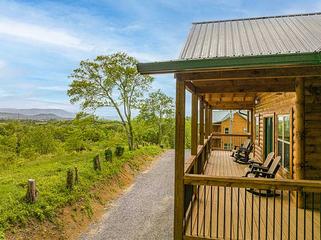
[[247, 208], [223, 141], [223, 208]]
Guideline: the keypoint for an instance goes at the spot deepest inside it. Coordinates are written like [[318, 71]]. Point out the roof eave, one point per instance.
[[187, 65]]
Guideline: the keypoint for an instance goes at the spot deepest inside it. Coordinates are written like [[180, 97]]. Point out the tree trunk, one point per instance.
[[130, 135]]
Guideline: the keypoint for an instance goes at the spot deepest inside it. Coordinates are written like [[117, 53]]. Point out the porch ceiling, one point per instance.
[[230, 100]]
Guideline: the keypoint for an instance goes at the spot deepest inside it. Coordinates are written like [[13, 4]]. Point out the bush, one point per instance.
[[119, 151], [108, 155], [74, 142]]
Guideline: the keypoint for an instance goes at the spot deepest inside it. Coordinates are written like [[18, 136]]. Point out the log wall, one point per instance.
[[312, 129], [273, 104]]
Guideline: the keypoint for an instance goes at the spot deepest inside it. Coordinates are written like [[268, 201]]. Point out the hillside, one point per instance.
[[35, 114]]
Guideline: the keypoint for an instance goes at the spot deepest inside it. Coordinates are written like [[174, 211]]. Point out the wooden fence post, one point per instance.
[[32, 192], [76, 176], [70, 179], [96, 162]]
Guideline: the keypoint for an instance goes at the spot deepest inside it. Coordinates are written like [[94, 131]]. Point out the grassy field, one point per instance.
[[49, 171]]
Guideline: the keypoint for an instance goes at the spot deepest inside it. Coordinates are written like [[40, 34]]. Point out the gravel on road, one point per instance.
[[145, 210]]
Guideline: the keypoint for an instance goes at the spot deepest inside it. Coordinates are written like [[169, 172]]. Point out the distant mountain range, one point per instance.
[[35, 114]]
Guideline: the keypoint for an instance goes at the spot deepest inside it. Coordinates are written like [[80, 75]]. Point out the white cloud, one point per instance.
[[53, 88], [41, 34]]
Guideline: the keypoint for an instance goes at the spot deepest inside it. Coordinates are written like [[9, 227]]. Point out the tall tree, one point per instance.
[[156, 108], [110, 81]]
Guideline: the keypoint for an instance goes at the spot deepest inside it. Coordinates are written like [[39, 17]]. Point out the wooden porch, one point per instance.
[[223, 212], [269, 86]]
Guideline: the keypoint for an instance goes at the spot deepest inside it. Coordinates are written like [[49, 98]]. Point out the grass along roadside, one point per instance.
[[50, 174]]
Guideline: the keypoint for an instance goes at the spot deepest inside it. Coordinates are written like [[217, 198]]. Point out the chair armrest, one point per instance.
[[261, 168]]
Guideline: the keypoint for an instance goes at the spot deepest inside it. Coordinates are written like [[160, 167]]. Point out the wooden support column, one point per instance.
[[248, 121], [194, 124], [252, 125], [210, 129], [206, 120], [201, 129], [299, 129], [179, 160]]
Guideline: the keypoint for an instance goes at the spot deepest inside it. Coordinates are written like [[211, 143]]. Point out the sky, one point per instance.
[[41, 42]]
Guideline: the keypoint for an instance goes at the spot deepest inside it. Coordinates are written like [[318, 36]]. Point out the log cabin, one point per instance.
[[228, 128], [269, 66]]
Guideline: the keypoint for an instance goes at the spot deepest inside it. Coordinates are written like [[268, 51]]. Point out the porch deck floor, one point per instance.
[[234, 216]]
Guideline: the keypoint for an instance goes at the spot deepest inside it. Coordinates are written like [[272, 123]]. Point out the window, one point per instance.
[[284, 140], [257, 127], [228, 146], [226, 131]]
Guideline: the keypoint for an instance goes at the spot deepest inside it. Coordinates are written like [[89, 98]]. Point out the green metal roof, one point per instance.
[[184, 65]]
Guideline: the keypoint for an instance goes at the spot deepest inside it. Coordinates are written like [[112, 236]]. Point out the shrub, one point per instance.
[[119, 151], [108, 155]]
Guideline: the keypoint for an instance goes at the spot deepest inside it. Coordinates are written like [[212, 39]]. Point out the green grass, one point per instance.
[[50, 175]]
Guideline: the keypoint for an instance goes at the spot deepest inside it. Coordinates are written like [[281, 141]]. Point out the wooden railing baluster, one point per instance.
[[218, 210], [289, 215], [274, 225]]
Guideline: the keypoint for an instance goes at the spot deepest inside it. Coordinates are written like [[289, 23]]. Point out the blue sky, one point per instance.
[[41, 42]]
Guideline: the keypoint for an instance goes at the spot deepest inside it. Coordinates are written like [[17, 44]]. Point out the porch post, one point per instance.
[[252, 125], [248, 121], [210, 129], [194, 125], [179, 160], [299, 129], [201, 130], [206, 120]]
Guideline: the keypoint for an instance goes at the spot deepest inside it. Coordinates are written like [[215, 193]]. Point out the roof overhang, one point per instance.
[[191, 65]]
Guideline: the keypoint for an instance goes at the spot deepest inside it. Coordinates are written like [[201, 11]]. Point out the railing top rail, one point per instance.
[[258, 183], [230, 134], [190, 162]]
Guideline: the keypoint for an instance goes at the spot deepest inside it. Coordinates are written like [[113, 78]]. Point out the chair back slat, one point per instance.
[[268, 160], [275, 165], [247, 143]]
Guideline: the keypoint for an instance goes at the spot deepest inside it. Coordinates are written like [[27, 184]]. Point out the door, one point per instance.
[[268, 136]]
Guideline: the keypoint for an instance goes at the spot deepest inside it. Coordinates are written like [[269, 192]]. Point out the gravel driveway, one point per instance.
[[145, 210]]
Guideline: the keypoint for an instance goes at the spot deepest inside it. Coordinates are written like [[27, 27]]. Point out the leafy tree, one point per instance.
[[38, 139], [110, 81], [157, 108]]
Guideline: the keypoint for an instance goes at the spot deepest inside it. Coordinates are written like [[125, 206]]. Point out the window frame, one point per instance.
[[283, 141]]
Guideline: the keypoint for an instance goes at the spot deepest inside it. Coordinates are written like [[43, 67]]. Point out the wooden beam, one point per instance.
[[252, 127], [299, 129], [250, 85], [179, 160], [210, 120], [267, 73], [232, 105], [194, 124], [190, 86], [247, 121], [206, 120], [257, 183], [201, 130]]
